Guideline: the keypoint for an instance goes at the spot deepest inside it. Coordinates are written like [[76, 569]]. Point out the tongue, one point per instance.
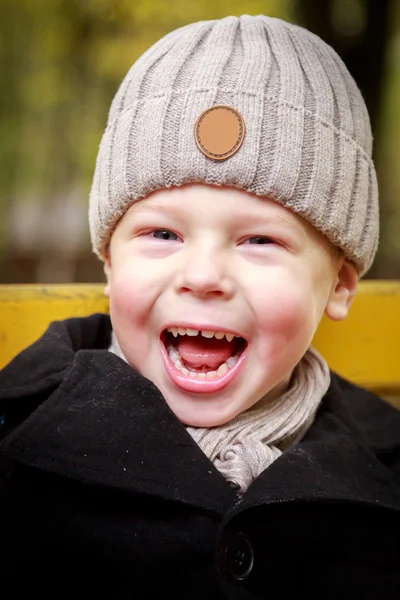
[[200, 351]]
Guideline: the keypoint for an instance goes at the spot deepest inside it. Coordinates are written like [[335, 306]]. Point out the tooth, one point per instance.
[[173, 354], [174, 331], [201, 375], [229, 336], [223, 369], [211, 374], [181, 331], [192, 374], [192, 332], [178, 364], [219, 335], [207, 334], [232, 360], [185, 371]]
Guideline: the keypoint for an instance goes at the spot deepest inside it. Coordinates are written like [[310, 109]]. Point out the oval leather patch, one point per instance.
[[219, 132]]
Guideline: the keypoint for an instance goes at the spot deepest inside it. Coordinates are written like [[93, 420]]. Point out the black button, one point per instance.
[[238, 556]]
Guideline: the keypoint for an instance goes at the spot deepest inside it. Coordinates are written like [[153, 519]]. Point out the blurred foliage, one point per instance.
[[387, 159], [62, 62]]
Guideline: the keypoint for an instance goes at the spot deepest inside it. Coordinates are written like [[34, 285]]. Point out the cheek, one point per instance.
[[131, 287], [127, 297], [285, 313], [132, 296]]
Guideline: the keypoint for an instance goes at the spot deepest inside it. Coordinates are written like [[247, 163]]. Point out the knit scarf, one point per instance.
[[248, 444]]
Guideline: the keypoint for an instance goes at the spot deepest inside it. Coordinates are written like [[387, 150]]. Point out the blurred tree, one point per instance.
[[359, 31], [62, 61]]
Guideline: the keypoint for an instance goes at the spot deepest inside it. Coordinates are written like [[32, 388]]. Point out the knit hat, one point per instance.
[[251, 102]]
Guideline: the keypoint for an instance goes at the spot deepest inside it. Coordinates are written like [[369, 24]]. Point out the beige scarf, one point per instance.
[[249, 443]]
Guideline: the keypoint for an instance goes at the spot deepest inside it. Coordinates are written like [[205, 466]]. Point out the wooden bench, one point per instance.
[[365, 348]]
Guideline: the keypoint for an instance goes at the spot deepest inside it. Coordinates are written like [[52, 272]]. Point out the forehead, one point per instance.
[[224, 204]]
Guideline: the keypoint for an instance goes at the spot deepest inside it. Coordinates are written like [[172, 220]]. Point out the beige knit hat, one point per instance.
[[297, 127]]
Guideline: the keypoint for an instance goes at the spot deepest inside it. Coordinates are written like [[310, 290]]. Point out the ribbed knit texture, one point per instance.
[[308, 139], [249, 443]]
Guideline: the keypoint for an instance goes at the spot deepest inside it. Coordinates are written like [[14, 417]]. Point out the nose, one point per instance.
[[206, 273]]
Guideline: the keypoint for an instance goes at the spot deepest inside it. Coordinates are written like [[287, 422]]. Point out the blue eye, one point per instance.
[[164, 234], [260, 239]]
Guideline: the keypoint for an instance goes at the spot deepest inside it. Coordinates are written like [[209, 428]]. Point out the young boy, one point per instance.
[[192, 444]]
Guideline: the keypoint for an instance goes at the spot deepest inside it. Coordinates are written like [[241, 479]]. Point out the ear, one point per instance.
[[342, 293], [107, 272]]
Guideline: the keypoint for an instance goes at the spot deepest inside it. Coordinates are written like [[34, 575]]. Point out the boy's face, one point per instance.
[[222, 260]]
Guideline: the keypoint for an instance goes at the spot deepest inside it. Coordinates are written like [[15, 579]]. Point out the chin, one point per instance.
[[202, 416]]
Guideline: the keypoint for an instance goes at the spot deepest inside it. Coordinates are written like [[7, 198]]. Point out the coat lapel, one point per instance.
[[97, 420], [107, 425], [332, 463]]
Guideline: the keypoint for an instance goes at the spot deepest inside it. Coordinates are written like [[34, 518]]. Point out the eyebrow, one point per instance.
[[176, 211], [139, 208], [279, 220]]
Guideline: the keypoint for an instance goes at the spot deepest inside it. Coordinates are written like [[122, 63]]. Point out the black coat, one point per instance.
[[104, 494]]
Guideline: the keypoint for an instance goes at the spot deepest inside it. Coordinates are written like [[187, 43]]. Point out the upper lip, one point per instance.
[[207, 327]]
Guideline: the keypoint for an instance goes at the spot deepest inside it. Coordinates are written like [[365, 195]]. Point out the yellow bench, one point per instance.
[[365, 348]]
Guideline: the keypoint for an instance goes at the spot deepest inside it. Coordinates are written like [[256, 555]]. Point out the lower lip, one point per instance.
[[200, 386]]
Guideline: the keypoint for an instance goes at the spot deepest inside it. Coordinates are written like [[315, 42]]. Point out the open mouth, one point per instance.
[[202, 361]]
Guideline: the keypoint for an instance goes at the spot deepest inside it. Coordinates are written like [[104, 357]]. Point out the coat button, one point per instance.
[[238, 556]]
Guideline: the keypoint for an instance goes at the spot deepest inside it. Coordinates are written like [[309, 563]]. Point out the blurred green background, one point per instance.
[[62, 62]]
